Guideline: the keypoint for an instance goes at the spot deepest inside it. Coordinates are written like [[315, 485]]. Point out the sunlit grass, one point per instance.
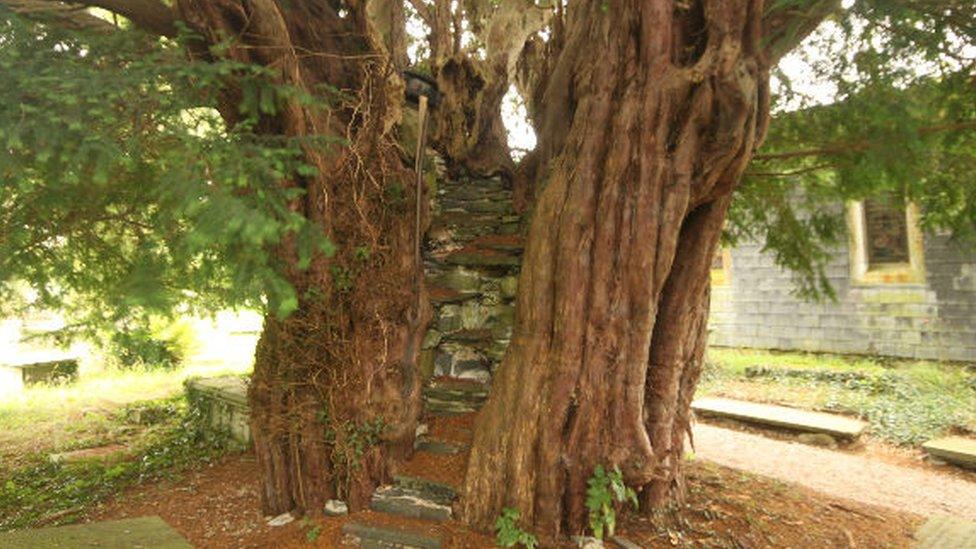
[[45, 418]]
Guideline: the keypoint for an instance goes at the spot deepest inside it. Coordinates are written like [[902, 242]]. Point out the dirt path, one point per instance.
[[838, 474]]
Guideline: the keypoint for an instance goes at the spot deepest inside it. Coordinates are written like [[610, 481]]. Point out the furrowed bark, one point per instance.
[[649, 117], [334, 394]]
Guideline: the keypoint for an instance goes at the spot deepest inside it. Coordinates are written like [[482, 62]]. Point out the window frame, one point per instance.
[[863, 273], [722, 276]]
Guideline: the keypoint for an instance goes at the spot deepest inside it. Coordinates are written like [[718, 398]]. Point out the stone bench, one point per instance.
[[780, 417], [31, 371], [223, 402], [955, 450]]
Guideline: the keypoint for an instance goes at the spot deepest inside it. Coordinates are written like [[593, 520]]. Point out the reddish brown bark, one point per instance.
[[334, 394], [649, 116]]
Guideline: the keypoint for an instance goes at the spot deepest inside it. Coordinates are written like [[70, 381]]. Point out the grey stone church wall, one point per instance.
[[473, 252], [931, 320]]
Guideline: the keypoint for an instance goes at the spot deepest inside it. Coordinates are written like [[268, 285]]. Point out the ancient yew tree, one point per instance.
[[213, 153], [323, 224], [648, 114]]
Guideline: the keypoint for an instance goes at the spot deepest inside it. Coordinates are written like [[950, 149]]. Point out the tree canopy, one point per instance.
[[125, 192], [122, 187]]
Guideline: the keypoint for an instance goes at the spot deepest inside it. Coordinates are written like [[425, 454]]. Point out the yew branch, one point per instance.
[[151, 16]]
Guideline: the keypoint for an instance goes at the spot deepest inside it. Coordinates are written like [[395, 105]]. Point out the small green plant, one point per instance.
[[605, 491], [509, 533], [313, 531], [48, 492]]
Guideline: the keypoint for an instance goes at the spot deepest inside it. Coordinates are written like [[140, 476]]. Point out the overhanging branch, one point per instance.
[[151, 16], [860, 145], [788, 24]]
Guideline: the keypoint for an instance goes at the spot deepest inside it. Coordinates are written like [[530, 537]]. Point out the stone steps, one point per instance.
[[376, 536], [440, 447], [414, 498], [451, 397], [955, 450], [780, 417]]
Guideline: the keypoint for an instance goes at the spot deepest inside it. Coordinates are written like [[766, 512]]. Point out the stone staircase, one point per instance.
[[420, 503], [471, 258]]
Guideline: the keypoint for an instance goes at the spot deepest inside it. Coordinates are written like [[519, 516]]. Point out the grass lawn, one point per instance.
[[906, 402], [143, 410], [89, 412]]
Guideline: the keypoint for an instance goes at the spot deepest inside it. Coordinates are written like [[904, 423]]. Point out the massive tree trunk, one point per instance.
[[334, 394], [650, 114]]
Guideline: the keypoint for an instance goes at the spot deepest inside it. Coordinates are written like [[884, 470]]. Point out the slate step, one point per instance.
[[444, 494], [483, 257], [485, 205], [414, 498], [780, 416], [372, 536], [470, 392], [955, 450], [440, 447]]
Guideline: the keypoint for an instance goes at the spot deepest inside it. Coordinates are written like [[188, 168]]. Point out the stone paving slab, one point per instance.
[[386, 536], [956, 450], [946, 533], [143, 532], [410, 503], [780, 416], [442, 447]]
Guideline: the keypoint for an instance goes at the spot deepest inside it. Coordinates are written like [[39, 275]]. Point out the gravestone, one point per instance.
[[14, 376], [223, 402]]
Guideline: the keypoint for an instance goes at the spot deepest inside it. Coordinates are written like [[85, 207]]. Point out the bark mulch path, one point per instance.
[[218, 506], [839, 474]]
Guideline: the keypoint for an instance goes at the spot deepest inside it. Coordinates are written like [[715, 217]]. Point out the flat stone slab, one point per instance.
[[956, 450], [410, 502], [375, 536], [780, 416], [440, 447], [946, 533], [112, 453], [437, 492], [143, 532], [35, 369], [232, 389]]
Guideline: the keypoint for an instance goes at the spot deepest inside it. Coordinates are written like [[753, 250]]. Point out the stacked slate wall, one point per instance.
[[472, 255], [935, 319]]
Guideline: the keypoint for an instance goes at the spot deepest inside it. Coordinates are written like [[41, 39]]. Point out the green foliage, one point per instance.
[[905, 402], [152, 343], [45, 489], [900, 122], [124, 192], [605, 490], [312, 530], [509, 533]]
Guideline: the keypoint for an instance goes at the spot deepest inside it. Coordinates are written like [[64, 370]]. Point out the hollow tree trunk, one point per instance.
[[334, 394], [649, 117]]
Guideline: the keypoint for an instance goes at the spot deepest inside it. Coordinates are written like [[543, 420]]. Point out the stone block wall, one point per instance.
[[935, 319], [472, 256]]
